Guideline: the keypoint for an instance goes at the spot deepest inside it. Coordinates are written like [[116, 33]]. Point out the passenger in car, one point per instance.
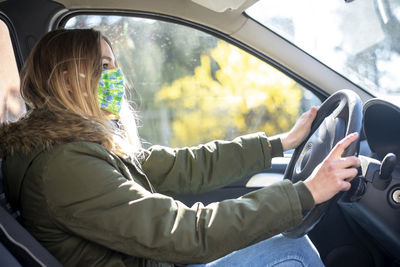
[[91, 194]]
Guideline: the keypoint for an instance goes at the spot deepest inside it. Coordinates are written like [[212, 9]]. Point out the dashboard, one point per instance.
[[374, 199]]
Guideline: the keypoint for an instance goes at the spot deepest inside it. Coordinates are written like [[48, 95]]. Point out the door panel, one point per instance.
[[242, 186]]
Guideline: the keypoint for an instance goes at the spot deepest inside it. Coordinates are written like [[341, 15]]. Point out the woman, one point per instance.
[[92, 196]]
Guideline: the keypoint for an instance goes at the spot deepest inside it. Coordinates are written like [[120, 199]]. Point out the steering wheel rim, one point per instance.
[[338, 116]]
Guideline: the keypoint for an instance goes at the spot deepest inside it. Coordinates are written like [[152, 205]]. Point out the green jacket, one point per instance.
[[89, 207]]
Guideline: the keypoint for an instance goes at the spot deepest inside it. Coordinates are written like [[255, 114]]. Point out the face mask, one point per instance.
[[111, 90]]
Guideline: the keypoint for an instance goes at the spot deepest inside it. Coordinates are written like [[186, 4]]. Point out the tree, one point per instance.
[[229, 94]]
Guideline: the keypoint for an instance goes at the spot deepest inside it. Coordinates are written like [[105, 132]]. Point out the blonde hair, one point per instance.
[[62, 73]]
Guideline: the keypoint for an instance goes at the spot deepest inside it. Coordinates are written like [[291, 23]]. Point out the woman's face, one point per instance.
[[107, 56]]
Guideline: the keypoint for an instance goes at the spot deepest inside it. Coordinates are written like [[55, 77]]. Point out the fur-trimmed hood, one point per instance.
[[42, 129], [39, 130]]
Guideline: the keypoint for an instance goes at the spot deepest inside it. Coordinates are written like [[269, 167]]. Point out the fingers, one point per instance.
[[347, 162], [346, 175], [314, 110], [345, 186], [334, 173], [311, 114], [340, 147]]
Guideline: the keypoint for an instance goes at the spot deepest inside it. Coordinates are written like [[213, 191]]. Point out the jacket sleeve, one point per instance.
[[87, 196], [209, 166]]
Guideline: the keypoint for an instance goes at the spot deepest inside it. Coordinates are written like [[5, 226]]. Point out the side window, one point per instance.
[[11, 103], [191, 87]]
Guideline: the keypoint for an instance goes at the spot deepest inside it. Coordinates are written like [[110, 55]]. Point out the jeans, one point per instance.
[[277, 251]]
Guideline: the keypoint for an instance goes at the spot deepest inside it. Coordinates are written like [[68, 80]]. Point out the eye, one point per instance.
[[105, 66]]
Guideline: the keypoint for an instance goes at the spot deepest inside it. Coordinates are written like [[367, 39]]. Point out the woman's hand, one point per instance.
[[300, 130], [334, 173]]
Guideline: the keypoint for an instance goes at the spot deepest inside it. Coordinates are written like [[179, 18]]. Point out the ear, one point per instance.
[[67, 81]]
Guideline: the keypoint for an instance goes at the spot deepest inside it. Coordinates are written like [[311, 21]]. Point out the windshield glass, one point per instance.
[[358, 39]]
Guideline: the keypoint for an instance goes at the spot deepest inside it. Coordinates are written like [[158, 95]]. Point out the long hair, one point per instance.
[[62, 73]]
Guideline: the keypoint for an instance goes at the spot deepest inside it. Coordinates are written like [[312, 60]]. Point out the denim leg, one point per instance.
[[277, 251]]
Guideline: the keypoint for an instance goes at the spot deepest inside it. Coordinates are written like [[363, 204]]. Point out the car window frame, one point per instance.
[[17, 53], [14, 40]]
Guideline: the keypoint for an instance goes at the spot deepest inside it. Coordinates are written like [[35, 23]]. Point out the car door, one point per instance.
[[190, 86]]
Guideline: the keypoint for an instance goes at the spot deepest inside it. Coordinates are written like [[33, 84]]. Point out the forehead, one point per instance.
[[106, 50]]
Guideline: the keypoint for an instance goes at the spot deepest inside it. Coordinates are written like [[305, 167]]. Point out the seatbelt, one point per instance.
[[25, 248]]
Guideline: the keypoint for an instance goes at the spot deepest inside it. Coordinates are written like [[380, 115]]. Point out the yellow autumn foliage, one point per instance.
[[243, 95]]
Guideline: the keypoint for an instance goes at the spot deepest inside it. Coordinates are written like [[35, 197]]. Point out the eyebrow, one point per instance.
[[108, 58]]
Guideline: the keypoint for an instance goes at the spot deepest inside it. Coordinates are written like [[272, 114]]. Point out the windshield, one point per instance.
[[358, 39]]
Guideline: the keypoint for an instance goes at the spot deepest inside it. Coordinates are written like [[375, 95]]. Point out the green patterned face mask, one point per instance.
[[111, 89]]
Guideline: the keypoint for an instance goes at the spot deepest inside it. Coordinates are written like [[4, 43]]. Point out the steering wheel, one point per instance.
[[338, 116]]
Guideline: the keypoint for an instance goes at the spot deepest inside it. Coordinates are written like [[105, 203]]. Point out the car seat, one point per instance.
[[18, 247]]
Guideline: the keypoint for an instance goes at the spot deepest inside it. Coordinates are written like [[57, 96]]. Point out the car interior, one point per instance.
[[200, 70]]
